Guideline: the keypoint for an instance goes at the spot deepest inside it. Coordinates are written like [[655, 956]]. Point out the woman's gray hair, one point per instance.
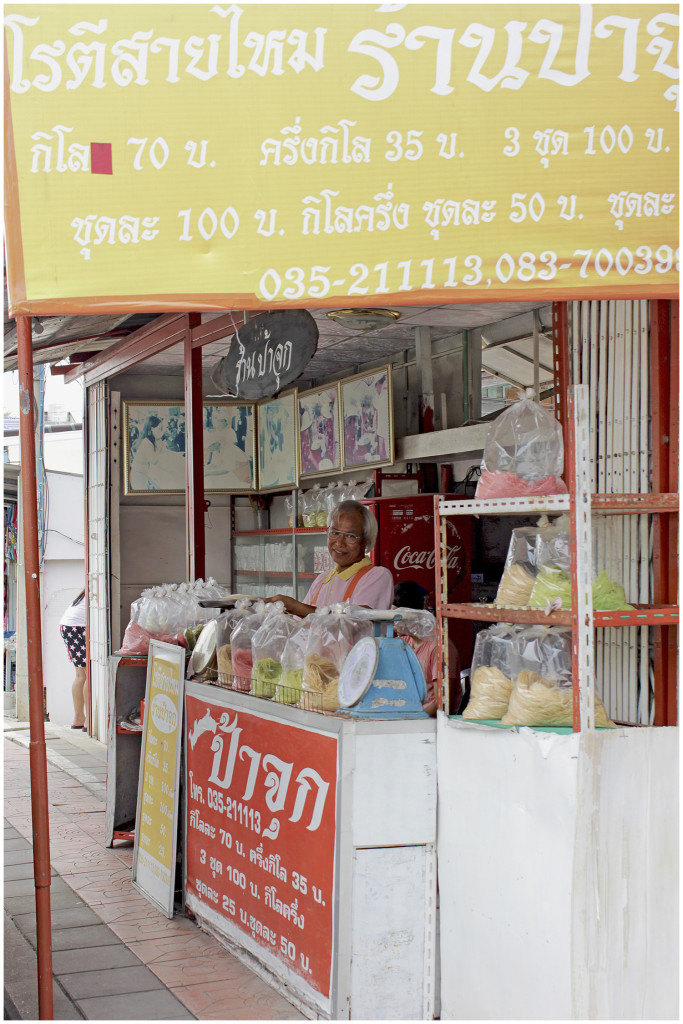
[[369, 521]]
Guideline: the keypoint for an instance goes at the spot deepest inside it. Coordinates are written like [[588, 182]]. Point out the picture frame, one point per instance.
[[277, 443], [319, 436], [367, 410], [154, 447]]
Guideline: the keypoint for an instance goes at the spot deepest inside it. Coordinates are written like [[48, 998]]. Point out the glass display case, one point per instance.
[[284, 561]]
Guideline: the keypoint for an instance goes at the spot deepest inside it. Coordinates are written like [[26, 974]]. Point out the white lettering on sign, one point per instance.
[[164, 714], [406, 558], [147, 57], [272, 772]]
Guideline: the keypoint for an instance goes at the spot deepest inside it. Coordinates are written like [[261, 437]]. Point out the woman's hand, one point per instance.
[[292, 606]]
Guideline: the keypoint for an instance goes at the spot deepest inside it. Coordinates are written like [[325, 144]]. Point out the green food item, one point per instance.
[[192, 635], [288, 690], [265, 675], [608, 595], [552, 583]]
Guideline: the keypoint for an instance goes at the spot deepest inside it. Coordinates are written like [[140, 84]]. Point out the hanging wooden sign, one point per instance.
[[267, 354]]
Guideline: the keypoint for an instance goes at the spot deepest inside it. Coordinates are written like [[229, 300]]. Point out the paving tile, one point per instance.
[[24, 856], [110, 982], [83, 938], [61, 900], [192, 967], [26, 886], [13, 872], [79, 917], [21, 981], [98, 958], [14, 844], [132, 930], [253, 1000], [161, 1005]]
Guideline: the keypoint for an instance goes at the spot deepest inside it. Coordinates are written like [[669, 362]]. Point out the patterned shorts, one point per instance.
[[74, 638]]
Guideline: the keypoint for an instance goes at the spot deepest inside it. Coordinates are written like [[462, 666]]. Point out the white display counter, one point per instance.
[[310, 850], [558, 873]]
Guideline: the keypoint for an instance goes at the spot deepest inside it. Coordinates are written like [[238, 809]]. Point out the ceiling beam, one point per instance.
[[167, 330]]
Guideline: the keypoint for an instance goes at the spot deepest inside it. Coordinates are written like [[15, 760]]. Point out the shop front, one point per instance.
[[312, 839]]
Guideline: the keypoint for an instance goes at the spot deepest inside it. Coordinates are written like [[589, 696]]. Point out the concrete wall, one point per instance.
[[558, 873]]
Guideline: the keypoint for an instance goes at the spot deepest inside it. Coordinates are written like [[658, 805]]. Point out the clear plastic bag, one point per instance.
[[267, 645], [531, 549], [241, 656], [225, 624], [136, 639], [491, 673], [543, 694], [421, 625], [524, 453], [288, 689], [332, 635]]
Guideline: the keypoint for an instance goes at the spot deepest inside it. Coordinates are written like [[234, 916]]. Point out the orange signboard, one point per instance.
[[261, 836], [169, 156]]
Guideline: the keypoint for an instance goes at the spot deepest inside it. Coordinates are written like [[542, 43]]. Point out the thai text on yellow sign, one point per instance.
[[216, 156]]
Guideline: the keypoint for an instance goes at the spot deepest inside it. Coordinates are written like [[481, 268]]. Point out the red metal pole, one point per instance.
[[38, 759], [194, 454], [561, 371], [664, 396]]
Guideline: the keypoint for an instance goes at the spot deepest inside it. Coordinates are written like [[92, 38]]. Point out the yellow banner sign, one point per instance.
[[166, 156], [157, 810]]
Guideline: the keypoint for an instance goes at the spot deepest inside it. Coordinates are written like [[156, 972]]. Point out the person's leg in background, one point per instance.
[[79, 695]]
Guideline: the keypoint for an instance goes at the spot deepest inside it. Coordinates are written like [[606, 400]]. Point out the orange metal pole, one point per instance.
[[194, 454], [38, 759]]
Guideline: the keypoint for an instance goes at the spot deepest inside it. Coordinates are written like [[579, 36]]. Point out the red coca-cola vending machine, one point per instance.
[[405, 546]]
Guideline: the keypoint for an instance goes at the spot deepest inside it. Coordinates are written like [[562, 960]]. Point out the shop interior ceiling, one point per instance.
[[506, 331]]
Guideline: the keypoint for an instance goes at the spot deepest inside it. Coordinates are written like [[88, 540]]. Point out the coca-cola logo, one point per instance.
[[406, 558]]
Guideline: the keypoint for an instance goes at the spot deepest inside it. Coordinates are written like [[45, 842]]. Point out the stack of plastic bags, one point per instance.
[[537, 573], [522, 675], [543, 694], [524, 453], [171, 613]]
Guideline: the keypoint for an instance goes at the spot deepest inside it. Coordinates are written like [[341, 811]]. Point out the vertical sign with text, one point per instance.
[[261, 828], [156, 821]]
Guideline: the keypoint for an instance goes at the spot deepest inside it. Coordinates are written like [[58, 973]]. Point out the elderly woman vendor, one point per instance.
[[351, 531]]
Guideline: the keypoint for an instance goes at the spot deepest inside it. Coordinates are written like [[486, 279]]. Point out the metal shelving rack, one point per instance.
[[581, 505]]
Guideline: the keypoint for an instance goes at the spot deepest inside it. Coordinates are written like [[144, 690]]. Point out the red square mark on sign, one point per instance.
[[100, 158]]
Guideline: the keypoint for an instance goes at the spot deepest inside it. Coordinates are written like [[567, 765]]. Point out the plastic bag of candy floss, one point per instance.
[[524, 453]]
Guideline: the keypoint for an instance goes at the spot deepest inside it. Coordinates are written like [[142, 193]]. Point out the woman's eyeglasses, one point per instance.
[[350, 538]]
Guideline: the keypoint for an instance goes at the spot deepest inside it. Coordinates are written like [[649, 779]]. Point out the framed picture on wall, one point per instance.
[[154, 447], [319, 436], [367, 420], [277, 434]]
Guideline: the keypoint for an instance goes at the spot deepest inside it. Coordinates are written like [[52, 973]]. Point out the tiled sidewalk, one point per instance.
[[114, 955]]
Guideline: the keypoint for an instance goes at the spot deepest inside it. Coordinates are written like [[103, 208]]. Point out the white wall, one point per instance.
[[62, 581], [558, 873], [62, 451]]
